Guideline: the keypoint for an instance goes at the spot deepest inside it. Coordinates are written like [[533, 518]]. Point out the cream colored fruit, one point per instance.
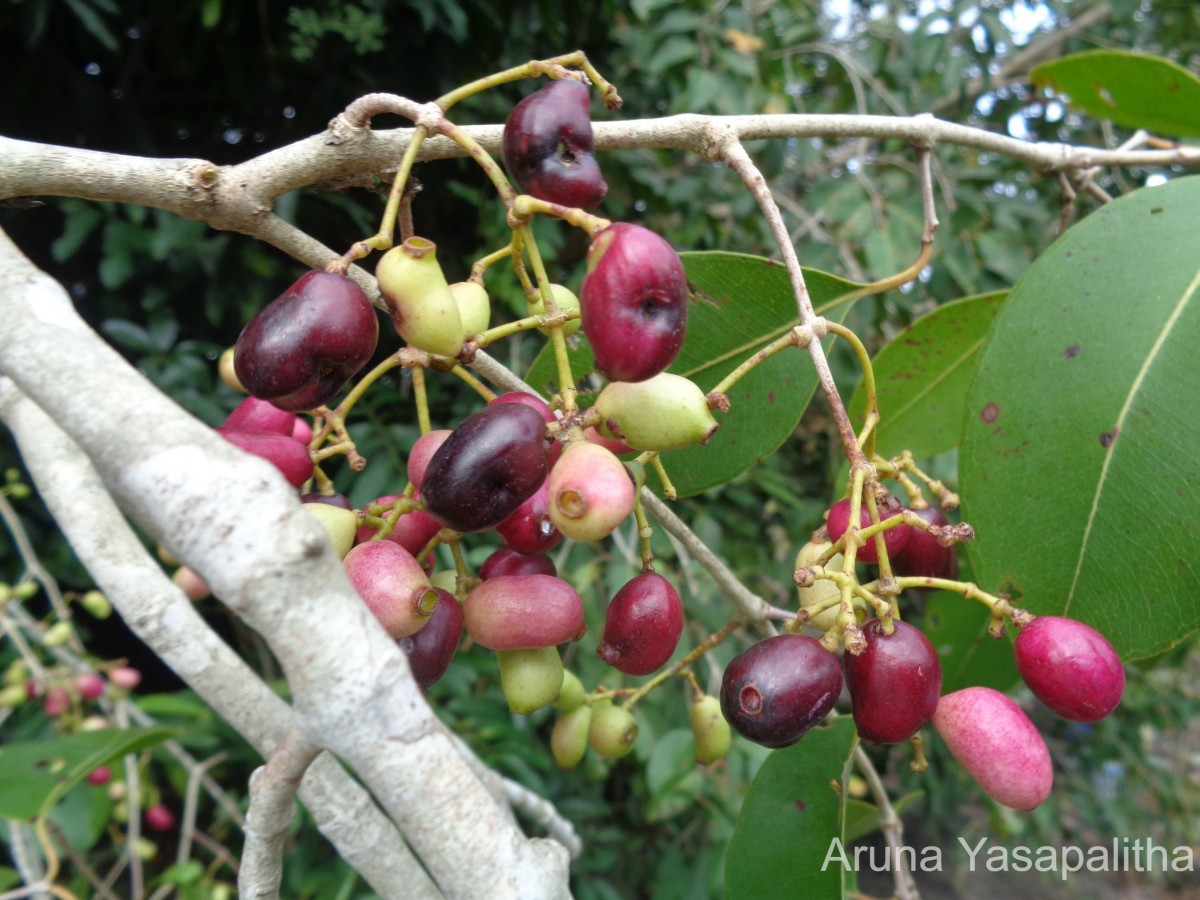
[[474, 306], [423, 307], [564, 300], [824, 589], [661, 413], [340, 524]]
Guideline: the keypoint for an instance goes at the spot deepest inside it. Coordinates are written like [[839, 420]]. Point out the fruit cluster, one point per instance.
[[533, 473]]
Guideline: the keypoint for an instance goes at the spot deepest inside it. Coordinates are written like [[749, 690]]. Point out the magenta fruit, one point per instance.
[[289, 456], [253, 414], [489, 466], [895, 539], [507, 561], [159, 818], [412, 531], [775, 691], [1070, 667], [393, 585], [634, 300], [431, 649], [548, 146], [306, 344], [523, 612], [530, 529], [993, 739], [642, 625], [894, 683], [922, 556]]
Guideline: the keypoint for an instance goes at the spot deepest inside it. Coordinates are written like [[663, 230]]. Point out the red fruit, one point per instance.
[[895, 539], [524, 612], [99, 775], [422, 451], [253, 414], [534, 403], [490, 465], [642, 625], [507, 561], [894, 684], [922, 556], [289, 456], [430, 650], [1070, 667], [995, 742], [393, 585], [57, 701], [548, 146], [306, 344], [159, 818], [530, 529], [592, 436], [777, 690], [90, 686], [634, 299]]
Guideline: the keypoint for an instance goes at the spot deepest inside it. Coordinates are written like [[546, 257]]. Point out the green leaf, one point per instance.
[[37, 774], [1078, 465], [739, 303], [790, 819], [957, 628], [922, 377], [862, 818], [1132, 89]]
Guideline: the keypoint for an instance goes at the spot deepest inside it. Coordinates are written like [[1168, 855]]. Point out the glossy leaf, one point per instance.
[[739, 303], [36, 775], [862, 818], [789, 819], [1078, 465], [957, 628], [922, 377], [1131, 89]]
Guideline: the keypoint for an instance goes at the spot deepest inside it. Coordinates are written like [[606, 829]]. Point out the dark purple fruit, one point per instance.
[[534, 403], [286, 454], [777, 690], [642, 625], [489, 466], [895, 539], [430, 650], [894, 684], [548, 146], [922, 555], [306, 344], [507, 561], [338, 500], [530, 529], [1070, 667], [634, 300]]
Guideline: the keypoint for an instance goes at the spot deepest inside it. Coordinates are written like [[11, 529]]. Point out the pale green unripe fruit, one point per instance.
[[97, 604], [57, 634], [530, 679], [824, 589], [474, 307], [613, 731], [710, 730], [569, 740], [660, 413], [12, 696], [590, 492], [447, 580], [565, 300], [340, 524], [423, 307], [570, 695]]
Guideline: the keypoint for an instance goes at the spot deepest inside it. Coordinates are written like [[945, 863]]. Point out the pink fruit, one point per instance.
[[413, 530], [253, 414], [524, 612], [895, 539], [99, 775], [995, 742], [422, 451], [57, 701], [90, 686], [125, 677], [306, 344], [393, 585], [159, 818], [590, 492], [1070, 667], [642, 625], [592, 436], [634, 302], [286, 454]]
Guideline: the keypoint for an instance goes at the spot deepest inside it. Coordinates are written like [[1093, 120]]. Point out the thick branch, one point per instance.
[[234, 520]]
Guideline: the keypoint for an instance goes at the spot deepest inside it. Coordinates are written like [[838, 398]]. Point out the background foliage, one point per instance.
[[225, 81]]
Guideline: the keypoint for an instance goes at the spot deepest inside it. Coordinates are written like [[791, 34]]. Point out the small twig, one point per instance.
[[891, 826]]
